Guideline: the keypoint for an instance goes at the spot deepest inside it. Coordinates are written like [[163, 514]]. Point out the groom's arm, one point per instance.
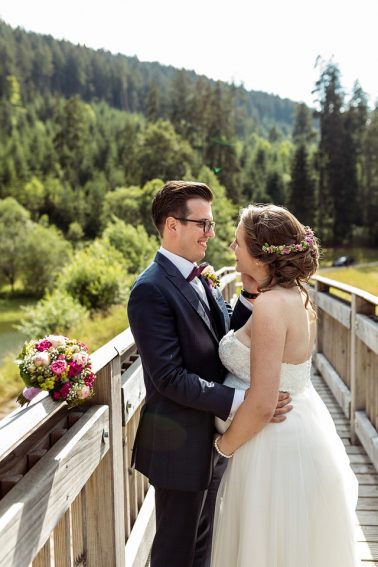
[[154, 328]]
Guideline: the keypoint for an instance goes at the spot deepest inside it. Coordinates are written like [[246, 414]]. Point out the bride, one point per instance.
[[288, 496]]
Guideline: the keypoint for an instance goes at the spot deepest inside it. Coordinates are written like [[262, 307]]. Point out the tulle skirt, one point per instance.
[[288, 496]]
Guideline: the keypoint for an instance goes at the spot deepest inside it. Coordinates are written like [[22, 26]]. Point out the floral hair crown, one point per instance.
[[283, 249]]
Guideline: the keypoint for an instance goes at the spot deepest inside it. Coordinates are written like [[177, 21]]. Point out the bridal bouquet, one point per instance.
[[58, 365]]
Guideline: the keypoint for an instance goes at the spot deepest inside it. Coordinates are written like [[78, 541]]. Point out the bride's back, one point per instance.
[[301, 324]]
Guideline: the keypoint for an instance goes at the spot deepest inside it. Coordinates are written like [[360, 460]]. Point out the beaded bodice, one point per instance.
[[235, 356]]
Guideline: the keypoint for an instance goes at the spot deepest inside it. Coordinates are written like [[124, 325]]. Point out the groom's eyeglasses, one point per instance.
[[206, 224]]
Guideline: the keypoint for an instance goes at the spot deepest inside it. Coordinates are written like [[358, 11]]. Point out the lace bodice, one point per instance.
[[235, 356]]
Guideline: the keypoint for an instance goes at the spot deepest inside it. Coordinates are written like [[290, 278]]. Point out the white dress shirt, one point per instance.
[[185, 267]]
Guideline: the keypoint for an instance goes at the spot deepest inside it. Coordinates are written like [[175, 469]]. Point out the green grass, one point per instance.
[[365, 277]]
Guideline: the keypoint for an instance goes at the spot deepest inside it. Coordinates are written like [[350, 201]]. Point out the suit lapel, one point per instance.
[[215, 307], [186, 290]]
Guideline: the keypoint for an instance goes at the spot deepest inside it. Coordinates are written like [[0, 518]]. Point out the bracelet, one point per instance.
[[219, 451], [249, 295]]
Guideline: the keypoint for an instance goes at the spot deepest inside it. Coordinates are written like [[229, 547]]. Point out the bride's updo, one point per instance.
[[275, 237]]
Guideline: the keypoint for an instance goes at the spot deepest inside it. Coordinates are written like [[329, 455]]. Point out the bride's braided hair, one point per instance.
[[276, 225]]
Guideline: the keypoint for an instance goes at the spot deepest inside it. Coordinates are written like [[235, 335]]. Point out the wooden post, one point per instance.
[[105, 489], [358, 383]]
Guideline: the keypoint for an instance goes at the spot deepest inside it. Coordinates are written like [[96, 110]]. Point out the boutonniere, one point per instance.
[[211, 277]]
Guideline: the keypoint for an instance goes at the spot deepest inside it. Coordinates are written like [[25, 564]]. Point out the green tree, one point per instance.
[[302, 188], [44, 256], [137, 248], [15, 224]]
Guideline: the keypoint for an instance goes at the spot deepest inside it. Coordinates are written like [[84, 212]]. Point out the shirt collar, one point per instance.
[[182, 264]]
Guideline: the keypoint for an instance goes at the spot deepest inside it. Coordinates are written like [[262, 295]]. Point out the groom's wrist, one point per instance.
[[249, 295]]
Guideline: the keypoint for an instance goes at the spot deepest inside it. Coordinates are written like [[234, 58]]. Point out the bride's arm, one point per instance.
[[268, 335]]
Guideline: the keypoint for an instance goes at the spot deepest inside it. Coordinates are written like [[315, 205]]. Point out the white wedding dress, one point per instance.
[[288, 496]]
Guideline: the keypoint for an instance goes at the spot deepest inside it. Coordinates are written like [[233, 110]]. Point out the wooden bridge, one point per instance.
[[68, 496]]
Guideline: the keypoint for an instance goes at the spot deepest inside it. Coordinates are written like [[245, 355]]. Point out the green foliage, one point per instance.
[[55, 313], [136, 247], [225, 215], [14, 226], [96, 276], [44, 255]]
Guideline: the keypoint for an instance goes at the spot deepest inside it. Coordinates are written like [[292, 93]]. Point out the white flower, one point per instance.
[[57, 340], [42, 359]]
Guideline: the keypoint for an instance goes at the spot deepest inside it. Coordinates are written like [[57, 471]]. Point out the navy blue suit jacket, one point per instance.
[[178, 343]]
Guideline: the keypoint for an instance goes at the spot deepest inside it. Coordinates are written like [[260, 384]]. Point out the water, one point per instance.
[[11, 340]]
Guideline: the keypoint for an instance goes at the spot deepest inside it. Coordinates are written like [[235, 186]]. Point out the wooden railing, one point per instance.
[[68, 494], [347, 355]]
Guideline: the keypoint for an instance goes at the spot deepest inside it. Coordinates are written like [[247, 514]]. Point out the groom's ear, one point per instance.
[[170, 224]]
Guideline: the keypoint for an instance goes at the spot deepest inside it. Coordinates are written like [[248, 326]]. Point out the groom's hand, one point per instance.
[[283, 407]]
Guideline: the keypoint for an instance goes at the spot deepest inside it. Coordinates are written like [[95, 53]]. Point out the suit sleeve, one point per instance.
[[239, 316], [152, 323]]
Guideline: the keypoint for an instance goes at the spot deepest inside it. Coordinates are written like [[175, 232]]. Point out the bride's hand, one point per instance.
[[283, 407]]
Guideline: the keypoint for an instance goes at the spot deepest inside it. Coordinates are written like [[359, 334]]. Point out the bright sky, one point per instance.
[[269, 45]]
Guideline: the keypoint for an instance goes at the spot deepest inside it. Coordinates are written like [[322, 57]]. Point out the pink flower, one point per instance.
[[56, 395], [75, 369], [58, 366], [43, 345], [42, 359], [81, 358], [65, 389], [89, 380], [30, 393]]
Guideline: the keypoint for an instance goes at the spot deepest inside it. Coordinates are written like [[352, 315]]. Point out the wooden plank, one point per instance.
[[335, 383], [367, 479], [367, 330], [367, 533], [368, 490], [368, 551], [105, 490], [31, 510], [138, 545], [368, 504], [43, 558], [368, 436], [335, 308], [62, 542], [133, 390], [21, 423], [367, 518], [79, 522]]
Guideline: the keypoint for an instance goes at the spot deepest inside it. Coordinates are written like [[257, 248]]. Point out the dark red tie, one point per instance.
[[197, 271]]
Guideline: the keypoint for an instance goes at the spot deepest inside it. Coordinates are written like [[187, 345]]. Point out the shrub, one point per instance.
[[54, 314], [96, 276]]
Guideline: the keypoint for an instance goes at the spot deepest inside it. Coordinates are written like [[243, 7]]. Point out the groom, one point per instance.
[[177, 321]]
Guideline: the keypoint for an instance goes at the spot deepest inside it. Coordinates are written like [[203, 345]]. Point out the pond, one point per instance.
[[11, 339]]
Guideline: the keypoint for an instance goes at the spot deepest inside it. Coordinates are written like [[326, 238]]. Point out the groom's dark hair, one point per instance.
[[172, 199]]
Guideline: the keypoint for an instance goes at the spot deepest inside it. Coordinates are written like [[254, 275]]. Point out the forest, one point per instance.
[[87, 138]]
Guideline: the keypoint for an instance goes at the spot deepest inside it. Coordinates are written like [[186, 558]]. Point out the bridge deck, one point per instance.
[[367, 507]]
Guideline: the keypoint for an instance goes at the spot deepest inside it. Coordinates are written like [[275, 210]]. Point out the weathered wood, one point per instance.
[[105, 490], [334, 307], [24, 421], [43, 558], [367, 435], [335, 383], [62, 542], [139, 544], [367, 331], [133, 390], [29, 513]]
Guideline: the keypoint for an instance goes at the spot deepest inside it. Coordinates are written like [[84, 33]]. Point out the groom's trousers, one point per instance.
[[184, 524]]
